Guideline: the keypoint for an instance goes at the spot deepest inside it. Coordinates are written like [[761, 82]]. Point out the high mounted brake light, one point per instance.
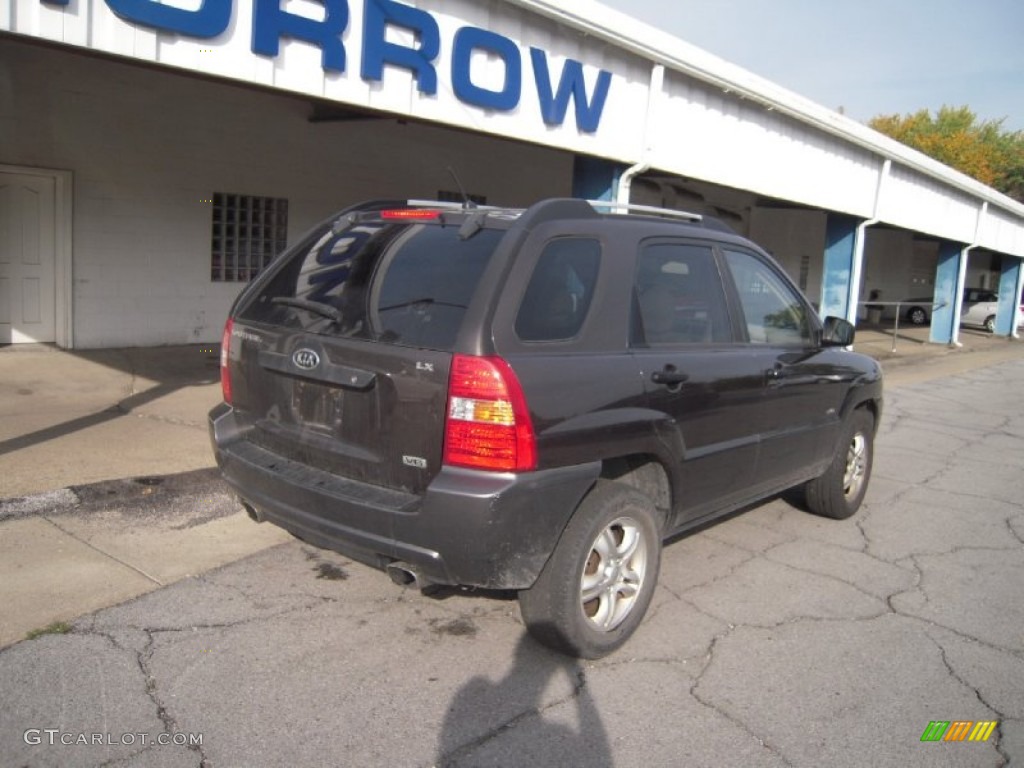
[[410, 214], [488, 424]]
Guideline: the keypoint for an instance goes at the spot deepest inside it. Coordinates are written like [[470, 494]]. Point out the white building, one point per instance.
[[154, 156]]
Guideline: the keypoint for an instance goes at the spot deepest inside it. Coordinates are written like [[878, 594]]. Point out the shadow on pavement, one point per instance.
[[172, 368], [475, 732], [66, 428]]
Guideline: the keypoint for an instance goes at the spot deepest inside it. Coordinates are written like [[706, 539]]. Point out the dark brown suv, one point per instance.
[[534, 400]]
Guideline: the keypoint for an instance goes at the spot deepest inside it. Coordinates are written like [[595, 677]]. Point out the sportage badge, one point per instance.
[[306, 359]]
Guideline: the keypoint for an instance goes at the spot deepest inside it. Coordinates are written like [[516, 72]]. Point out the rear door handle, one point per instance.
[[670, 377]]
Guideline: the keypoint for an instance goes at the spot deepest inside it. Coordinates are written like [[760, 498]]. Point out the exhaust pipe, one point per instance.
[[251, 511], [403, 575]]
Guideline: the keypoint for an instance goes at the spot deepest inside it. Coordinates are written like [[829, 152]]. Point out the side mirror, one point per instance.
[[837, 332]]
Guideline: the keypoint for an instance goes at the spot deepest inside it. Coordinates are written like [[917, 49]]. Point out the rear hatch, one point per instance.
[[339, 357]]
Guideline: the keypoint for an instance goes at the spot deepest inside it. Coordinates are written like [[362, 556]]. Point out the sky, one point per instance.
[[867, 57]]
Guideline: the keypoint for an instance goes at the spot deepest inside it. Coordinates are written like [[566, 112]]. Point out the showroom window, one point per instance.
[[247, 233]]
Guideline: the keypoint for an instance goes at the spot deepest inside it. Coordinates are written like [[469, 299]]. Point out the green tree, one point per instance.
[[955, 136]]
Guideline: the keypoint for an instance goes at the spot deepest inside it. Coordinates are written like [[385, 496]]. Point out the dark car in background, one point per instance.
[[534, 400]]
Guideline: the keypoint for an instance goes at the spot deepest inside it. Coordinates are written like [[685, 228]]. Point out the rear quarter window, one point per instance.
[[561, 290], [397, 283]]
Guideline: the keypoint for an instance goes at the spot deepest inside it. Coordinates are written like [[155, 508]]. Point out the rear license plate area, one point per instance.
[[315, 405]]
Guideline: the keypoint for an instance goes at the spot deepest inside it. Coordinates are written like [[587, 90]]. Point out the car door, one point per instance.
[[803, 385], [695, 373], [978, 306]]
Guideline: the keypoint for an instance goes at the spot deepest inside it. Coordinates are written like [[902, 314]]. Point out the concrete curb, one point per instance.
[[48, 501]]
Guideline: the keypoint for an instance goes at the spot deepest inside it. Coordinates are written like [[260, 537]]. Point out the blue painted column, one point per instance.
[[840, 243], [595, 179], [948, 290], [1009, 295]]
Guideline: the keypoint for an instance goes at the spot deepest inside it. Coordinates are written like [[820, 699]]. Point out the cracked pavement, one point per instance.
[[775, 639]]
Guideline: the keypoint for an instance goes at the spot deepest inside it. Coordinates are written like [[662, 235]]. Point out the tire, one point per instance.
[[838, 493], [917, 316], [990, 324], [571, 607]]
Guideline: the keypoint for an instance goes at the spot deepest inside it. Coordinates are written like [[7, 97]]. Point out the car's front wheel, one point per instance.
[[838, 493], [990, 324], [596, 587]]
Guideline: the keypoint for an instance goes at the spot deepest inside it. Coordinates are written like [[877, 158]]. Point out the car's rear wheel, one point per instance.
[[917, 316], [838, 493], [990, 324], [596, 587]]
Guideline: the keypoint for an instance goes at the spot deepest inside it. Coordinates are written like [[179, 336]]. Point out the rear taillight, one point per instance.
[[488, 425], [225, 360]]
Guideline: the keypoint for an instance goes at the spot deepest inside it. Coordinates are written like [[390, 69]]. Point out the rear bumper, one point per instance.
[[470, 528]]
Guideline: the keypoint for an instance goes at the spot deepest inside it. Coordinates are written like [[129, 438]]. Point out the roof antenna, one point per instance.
[[466, 202]]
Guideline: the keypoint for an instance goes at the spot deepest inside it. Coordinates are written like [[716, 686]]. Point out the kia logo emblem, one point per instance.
[[306, 359]]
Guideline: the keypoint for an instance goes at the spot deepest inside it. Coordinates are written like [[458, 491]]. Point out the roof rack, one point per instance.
[[611, 207], [446, 204], [450, 205], [632, 207]]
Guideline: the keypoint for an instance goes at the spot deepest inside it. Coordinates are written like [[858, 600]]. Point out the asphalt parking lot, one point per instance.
[[776, 638]]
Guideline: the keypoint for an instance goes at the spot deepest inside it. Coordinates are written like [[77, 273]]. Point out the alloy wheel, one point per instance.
[[613, 574], [856, 465]]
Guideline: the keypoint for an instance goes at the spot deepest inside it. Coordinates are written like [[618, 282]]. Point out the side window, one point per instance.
[[679, 297], [560, 291], [773, 311]]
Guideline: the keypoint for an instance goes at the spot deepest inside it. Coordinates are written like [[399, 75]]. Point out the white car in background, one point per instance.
[[979, 309]]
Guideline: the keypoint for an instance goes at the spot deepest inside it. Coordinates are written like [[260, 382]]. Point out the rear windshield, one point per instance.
[[399, 283]]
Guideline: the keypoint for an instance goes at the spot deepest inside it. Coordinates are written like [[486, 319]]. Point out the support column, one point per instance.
[[595, 179], [949, 277], [836, 282], [1009, 296]]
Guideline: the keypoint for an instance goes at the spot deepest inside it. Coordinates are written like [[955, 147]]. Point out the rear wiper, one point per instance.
[[424, 302], [316, 307]]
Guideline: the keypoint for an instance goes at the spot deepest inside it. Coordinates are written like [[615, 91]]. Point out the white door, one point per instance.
[[27, 258]]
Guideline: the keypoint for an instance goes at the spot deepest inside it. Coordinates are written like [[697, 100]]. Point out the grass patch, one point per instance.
[[57, 628]]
